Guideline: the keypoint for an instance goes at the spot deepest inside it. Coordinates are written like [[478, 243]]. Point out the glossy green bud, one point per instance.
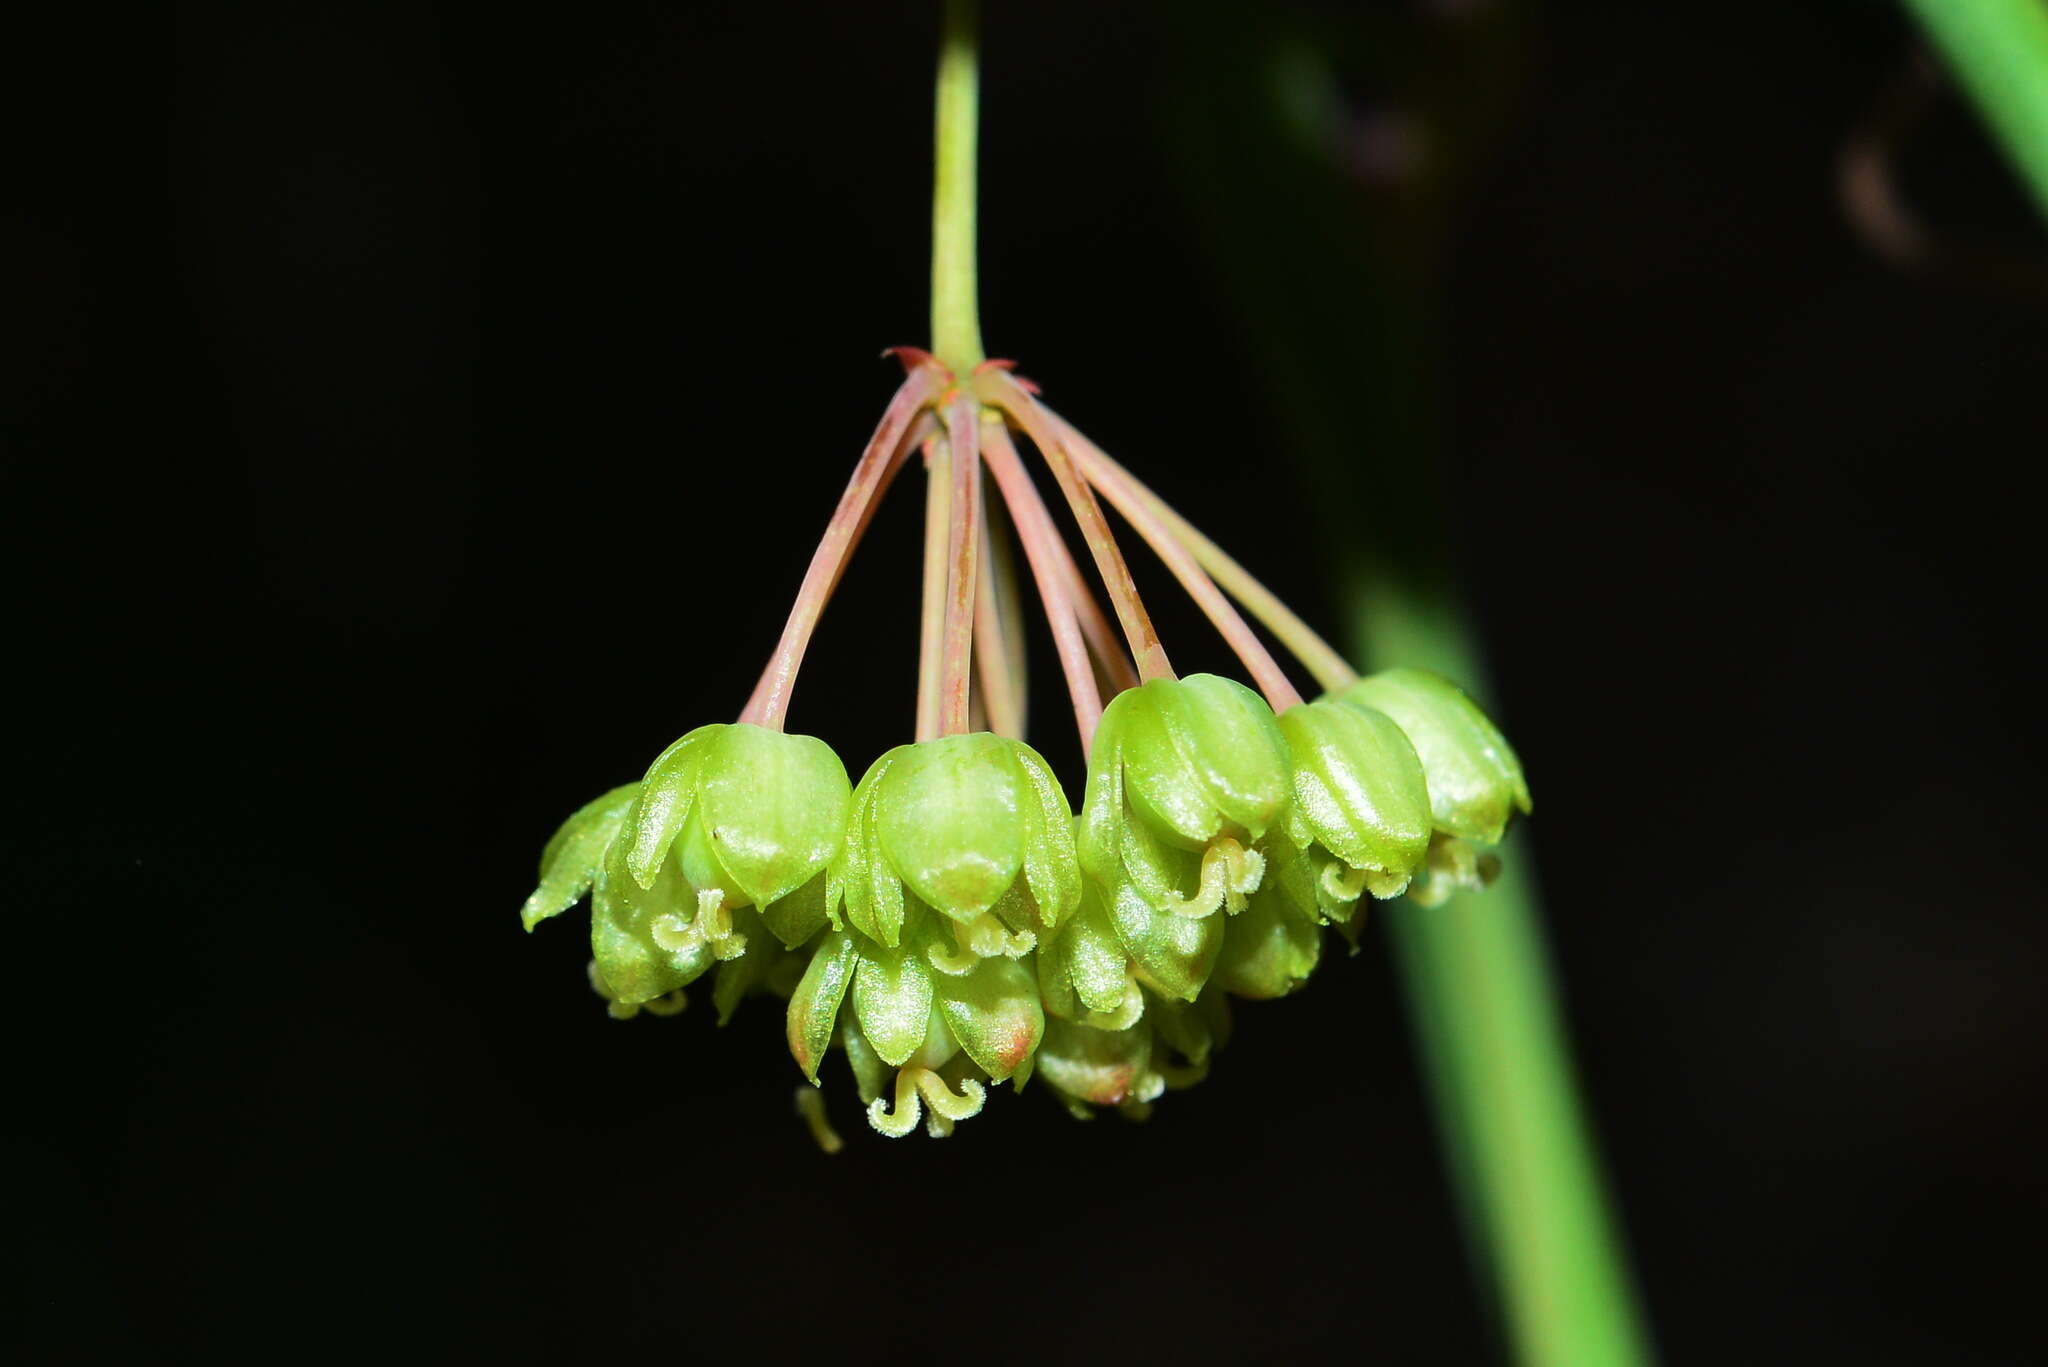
[[575, 853], [755, 814], [945, 1034], [1168, 1047], [1475, 781], [1184, 775], [1090, 1067], [994, 1014], [649, 942], [1269, 948], [1359, 795], [1171, 953], [974, 827]]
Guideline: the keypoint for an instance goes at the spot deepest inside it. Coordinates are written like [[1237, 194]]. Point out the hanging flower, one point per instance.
[[950, 924]]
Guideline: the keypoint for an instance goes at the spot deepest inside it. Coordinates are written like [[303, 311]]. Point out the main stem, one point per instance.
[[956, 316]]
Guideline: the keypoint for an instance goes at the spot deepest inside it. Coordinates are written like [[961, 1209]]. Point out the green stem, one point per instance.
[[956, 317], [1344, 305], [1998, 50], [1485, 1009]]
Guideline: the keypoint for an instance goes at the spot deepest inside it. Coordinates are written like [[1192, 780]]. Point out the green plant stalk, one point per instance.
[[956, 315], [1484, 1007], [1337, 282], [1998, 51]]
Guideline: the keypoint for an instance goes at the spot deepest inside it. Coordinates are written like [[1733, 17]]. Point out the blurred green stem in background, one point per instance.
[[1997, 51], [1327, 221]]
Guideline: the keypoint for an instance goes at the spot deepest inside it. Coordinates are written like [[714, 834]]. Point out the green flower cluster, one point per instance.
[[950, 924]]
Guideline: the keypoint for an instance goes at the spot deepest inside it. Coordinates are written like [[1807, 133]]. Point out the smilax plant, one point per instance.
[[950, 922]]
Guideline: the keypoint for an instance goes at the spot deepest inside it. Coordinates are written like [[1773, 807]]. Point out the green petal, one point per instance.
[[1173, 953], [1083, 967], [1164, 874], [994, 1013], [815, 1004], [1292, 872], [799, 916], [628, 923], [1475, 780], [695, 855], [1234, 750], [1101, 1067], [949, 815], [892, 996], [1098, 843], [1050, 867], [1358, 789], [1161, 781], [1267, 952], [666, 795], [774, 806], [574, 854], [873, 894]]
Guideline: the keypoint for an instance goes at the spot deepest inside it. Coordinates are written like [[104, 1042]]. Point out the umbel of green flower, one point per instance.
[[1475, 782], [949, 924], [729, 819]]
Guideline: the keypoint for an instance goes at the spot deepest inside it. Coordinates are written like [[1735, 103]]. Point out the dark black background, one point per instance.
[[426, 415]]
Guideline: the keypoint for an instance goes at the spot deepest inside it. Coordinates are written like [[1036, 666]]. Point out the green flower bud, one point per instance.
[[752, 814], [1269, 948], [650, 942], [1184, 776], [1361, 811], [973, 827], [945, 1032], [1132, 1066], [1090, 1067], [1171, 953], [1475, 781]]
